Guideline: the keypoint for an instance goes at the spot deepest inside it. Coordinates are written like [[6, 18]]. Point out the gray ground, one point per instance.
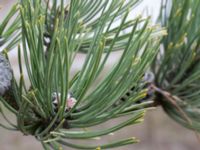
[[158, 132]]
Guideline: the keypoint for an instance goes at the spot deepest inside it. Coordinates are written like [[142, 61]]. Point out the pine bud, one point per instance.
[[70, 102], [5, 75]]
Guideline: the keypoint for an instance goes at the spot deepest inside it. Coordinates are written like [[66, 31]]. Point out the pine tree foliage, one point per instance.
[[178, 74], [51, 35]]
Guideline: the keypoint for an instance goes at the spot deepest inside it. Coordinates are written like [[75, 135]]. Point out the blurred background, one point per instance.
[[158, 132]]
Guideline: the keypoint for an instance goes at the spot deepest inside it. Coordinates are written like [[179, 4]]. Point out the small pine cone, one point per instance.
[[5, 75]]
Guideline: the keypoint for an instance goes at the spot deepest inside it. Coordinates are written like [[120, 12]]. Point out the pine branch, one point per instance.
[[178, 71], [57, 102]]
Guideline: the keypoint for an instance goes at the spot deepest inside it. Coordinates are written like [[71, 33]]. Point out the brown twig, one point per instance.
[[173, 100]]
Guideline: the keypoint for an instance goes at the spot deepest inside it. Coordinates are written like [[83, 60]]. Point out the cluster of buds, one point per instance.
[[5, 75], [149, 78], [70, 102]]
